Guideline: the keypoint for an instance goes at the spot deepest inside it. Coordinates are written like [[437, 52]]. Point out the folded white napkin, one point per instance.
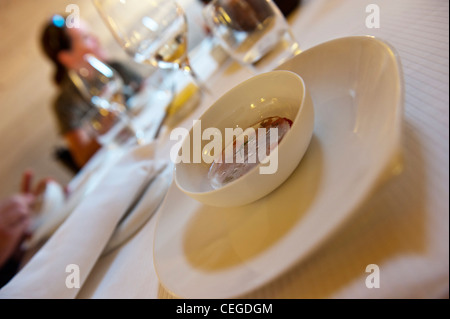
[[77, 244], [53, 212]]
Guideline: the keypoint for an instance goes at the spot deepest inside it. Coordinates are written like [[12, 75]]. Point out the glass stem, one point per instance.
[[186, 67]]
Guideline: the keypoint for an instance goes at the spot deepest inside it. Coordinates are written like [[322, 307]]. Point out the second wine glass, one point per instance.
[[102, 87], [151, 31]]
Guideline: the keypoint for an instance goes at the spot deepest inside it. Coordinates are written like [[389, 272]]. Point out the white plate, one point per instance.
[[357, 88]]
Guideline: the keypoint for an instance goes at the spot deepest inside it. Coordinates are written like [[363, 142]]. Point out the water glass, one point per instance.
[[253, 32]]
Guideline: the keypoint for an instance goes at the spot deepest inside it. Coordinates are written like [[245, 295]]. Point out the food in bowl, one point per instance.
[[247, 150]]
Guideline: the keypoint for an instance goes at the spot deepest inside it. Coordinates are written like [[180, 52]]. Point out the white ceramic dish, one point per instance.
[[356, 84], [49, 203], [277, 93]]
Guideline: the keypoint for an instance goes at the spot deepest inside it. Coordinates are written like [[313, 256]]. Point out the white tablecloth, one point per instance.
[[403, 228]]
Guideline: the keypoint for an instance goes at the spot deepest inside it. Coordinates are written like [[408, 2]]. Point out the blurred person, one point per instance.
[[16, 212], [66, 47]]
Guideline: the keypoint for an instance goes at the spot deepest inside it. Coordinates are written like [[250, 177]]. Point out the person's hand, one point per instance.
[[15, 216], [27, 184]]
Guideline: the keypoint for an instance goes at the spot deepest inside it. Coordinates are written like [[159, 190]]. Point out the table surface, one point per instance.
[[403, 227]]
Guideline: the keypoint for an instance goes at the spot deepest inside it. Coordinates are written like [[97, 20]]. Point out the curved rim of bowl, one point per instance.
[[226, 95]]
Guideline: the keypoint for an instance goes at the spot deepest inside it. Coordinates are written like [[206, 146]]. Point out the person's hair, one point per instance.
[[55, 39]]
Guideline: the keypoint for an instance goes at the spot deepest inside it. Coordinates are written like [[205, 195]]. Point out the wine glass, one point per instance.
[[151, 31], [253, 32], [102, 87]]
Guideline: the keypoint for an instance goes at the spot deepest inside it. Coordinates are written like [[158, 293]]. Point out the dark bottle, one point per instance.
[[287, 6]]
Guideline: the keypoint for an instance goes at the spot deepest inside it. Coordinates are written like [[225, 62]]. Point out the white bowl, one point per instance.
[[277, 93]]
